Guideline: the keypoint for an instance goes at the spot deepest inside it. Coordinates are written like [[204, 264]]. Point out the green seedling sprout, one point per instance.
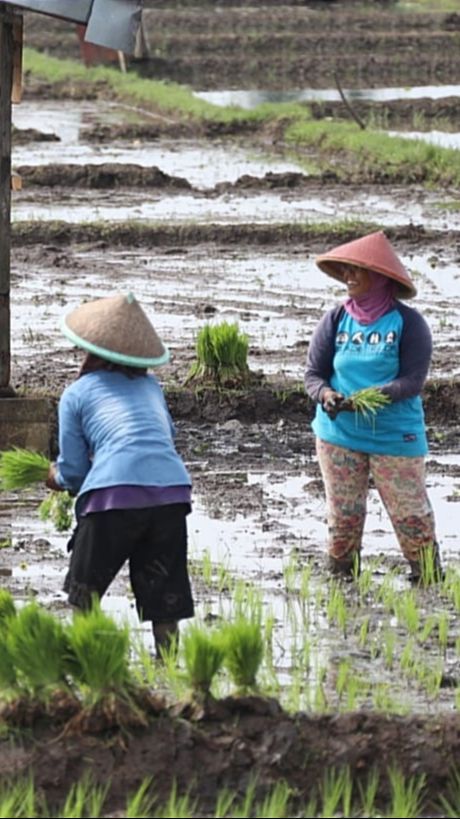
[[406, 795], [85, 798], [244, 650], [57, 507], [7, 608], [36, 642], [203, 655], [21, 468], [367, 402], [222, 352], [98, 654]]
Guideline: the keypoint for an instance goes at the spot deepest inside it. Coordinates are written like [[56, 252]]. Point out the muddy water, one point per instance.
[[251, 99], [254, 513]]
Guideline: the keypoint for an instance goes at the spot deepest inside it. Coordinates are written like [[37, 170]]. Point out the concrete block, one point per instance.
[[25, 422]]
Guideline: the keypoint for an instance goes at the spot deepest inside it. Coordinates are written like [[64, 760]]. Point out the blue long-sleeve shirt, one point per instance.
[[115, 430], [392, 353]]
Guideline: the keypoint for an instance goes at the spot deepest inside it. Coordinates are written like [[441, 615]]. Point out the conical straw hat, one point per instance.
[[373, 252], [116, 329]]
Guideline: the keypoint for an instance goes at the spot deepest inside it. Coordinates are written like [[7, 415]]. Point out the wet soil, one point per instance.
[[241, 446], [229, 744], [283, 45]]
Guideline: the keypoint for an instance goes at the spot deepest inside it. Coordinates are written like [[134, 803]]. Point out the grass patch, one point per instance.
[[372, 153]]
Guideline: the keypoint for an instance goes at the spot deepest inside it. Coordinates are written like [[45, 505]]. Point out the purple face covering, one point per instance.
[[378, 300]]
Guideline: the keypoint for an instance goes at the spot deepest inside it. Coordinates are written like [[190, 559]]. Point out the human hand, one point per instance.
[[331, 402], [51, 482]]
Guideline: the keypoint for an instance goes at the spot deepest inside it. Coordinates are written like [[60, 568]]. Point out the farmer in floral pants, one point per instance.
[[372, 340]]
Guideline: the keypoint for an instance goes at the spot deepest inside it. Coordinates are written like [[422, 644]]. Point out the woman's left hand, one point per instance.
[[51, 482]]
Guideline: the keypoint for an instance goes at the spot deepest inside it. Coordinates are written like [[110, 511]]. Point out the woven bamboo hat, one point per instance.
[[116, 329], [373, 252]]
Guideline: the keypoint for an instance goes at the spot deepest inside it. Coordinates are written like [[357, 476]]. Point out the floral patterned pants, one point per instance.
[[400, 482]]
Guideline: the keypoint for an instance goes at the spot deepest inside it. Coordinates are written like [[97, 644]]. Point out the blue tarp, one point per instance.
[[110, 23]]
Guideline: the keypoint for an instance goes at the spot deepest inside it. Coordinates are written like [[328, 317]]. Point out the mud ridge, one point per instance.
[[236, 741], [154, 235]]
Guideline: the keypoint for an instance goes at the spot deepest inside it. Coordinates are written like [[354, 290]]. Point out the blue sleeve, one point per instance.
[[321, 354], [73, 462], [415, 351]]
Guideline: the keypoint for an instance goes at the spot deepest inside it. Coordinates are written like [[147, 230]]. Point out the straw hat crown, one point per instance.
[[373, 252], [116, 329]]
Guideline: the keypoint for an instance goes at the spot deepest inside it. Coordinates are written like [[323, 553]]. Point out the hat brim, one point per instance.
[[110, 355], [331, 266]]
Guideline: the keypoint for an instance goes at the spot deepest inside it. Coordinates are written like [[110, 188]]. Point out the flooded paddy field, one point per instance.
[[211, 227]]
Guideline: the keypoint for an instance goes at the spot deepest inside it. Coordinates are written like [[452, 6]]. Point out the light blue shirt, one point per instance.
[[116, 430], [368, 356]]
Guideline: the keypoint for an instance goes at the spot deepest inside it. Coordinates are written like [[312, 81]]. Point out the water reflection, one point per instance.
[[253, 98]]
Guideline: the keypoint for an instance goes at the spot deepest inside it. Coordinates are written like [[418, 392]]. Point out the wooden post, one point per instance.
[[6, 82]]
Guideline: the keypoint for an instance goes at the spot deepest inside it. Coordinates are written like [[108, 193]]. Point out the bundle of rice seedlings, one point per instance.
[[19, 468], [368, 401], [7, 607], [203, 655], [58, 507], [222, 352], [8, 678], [98, 661], [98, 653], [244, 649], [36, 642]]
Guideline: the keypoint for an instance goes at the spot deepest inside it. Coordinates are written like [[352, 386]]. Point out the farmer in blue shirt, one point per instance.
[[372, 340], [117, 455]]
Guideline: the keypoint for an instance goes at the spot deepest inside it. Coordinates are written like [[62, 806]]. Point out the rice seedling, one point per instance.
[[181, 807], [388, 648], [367, 402], [406, 795], [7, 607], [85, 798], [337, 608], [140, 805], [407, 611], [431, 623], [244, 649], [20, 468], [203, 656], [57, 507], [443, 631], [19, 799], [336, 793], [98, 654], [450, 805], [364, 632], [246, 807], [276, 803], [430, 678], [221, 351], [368, 793], [36, 642], [8, 676], [408, 660], [224, 803]]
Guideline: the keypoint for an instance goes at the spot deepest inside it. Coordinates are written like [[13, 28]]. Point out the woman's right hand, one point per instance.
[[331, 402]]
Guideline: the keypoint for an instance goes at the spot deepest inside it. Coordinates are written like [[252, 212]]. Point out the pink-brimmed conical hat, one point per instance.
[[116, 329], [373, 252]]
